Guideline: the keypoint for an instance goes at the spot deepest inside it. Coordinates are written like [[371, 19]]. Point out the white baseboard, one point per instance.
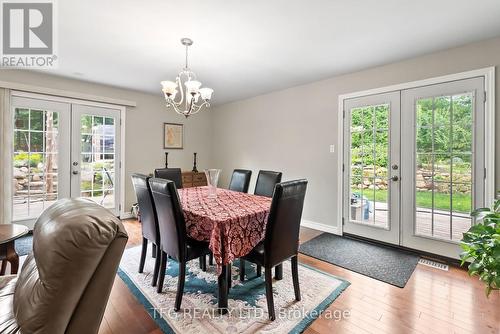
[[126, 215], [320, 226]]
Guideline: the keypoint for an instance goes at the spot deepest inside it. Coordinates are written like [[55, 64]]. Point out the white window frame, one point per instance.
[[489, 158]]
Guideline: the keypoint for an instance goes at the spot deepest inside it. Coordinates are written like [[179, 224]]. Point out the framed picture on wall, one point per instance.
[[173, 135]]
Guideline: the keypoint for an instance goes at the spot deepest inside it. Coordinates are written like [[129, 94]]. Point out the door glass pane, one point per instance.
[[443, 179], [35, 161], [97, 159], [369, 164]]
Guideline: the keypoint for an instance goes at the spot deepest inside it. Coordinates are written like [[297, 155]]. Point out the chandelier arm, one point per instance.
[[177, 110], [179, 83], [197, 108], [194, 110], [172, 103], [173, 106], [191, 105]]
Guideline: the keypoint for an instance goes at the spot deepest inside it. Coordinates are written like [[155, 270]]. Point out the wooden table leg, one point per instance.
[[12, 257], [4, 267], [3, 255], [222, 282], [9, 253]]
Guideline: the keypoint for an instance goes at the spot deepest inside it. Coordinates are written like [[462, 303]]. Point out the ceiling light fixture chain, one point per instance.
[[189, 90]]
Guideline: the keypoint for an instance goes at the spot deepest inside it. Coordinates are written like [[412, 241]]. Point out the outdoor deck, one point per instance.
[[424, 224]]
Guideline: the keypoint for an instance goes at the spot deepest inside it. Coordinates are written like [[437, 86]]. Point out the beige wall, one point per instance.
[[291, 130], [144, 126]]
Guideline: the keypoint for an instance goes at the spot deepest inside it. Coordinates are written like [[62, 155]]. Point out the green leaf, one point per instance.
[[481, 247], [477, 212]]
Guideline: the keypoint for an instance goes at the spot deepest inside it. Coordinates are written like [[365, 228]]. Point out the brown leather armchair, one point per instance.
[[64, 285]]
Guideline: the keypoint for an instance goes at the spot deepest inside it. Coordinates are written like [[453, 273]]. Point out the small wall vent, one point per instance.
[[433, 264]]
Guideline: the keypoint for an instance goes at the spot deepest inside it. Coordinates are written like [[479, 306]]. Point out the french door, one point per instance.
[[95, 155], [443, 176], [63, 150], [372, 147], [415, 165], [41, 172]]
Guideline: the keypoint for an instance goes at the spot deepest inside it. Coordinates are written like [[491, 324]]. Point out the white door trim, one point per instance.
[[55, 93], [489, 85], [72, 100]]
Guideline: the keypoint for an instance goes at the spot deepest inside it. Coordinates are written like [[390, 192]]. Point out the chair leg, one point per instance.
[[143, 254], [259, 270], [229, 277], [295, 278], [278, 272], [242, 270], [180, 285], [203, 262], [157, 266], [269, 293], [153, 251], [211, 259], [161, 274]]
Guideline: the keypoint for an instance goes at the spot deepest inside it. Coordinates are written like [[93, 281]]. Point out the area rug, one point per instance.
[[247, 301], [384, 263], [24, 245]]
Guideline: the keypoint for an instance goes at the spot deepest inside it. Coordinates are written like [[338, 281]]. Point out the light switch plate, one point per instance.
[[332, 148]]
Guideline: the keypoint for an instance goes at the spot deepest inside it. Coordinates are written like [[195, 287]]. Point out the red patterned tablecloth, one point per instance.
[[234, 223]]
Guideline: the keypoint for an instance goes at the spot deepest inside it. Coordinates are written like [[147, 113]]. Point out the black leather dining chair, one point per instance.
[[174, 241], [281, 241], [266, 180], [149, 222], [240, 180], [173, 174]]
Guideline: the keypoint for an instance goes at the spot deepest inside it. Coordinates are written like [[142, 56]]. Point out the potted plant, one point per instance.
[[481, 245]]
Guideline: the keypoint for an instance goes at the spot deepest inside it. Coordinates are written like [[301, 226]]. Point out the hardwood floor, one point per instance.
[[433, 301]]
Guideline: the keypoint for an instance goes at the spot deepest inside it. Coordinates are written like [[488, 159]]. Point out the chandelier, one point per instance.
[[190, 91]]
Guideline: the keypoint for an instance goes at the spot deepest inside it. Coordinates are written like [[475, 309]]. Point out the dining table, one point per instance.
[[232, 222]]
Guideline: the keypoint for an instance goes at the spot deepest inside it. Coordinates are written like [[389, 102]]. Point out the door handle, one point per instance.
[[395, 178], [75, 172]]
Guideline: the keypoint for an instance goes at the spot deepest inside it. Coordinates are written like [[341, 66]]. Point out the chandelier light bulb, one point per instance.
[[192, 87], [206, 93]]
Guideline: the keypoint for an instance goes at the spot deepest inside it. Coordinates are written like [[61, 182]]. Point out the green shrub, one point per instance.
[[481, 245], [24, 159]]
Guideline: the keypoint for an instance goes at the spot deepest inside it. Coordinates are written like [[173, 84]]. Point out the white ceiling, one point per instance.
[[244, 48]]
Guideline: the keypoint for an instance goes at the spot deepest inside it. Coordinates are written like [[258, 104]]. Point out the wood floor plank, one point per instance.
[[433, 301]]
